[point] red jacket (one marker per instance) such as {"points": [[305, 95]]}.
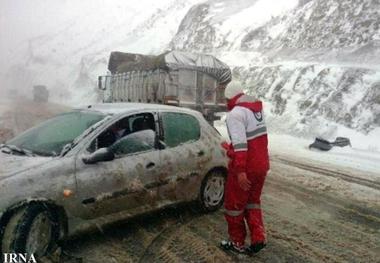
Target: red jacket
{"points": [[248, 133]]}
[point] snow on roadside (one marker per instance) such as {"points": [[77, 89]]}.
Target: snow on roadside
{"points": [[346, 159], [358, 163]]}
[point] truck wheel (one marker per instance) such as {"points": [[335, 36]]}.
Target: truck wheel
{"points": [[212, 191], [32, 229]]}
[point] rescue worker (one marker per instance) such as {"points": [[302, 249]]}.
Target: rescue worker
{"points": [[247, 169]]}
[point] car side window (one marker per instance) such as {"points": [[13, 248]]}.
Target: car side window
{"points": [[179, 128], [121, 129], [140, 141]]}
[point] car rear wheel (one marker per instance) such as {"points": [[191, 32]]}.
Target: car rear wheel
{"points": [[32, 229], [212, 191]]}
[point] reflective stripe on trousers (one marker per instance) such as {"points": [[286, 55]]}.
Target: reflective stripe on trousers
{"points": [[253, 206], [239, 212], [233, 212]]}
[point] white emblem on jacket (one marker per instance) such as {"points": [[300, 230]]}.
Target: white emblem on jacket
{"points": [[244, 125]]}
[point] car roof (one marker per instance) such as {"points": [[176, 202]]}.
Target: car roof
{"points": [[125, 107]]}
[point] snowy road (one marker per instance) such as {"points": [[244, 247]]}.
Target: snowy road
{"points": [[307, 220], [348, 177]]}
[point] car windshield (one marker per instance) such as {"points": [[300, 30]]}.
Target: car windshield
{"points": [[49, 138]]}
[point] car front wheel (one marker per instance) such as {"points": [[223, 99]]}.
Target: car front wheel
{"points": [[212, 191], [32, 229]]}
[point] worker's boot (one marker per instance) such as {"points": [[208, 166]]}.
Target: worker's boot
{"points": [[232, 246], [253, 249]]}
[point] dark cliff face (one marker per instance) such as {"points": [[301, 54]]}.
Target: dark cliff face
{"points": [[318, 61]]}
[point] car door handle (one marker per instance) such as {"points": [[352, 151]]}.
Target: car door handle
{"points": [[150, 165], [201, 153]]}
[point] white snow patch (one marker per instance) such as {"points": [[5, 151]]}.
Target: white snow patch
{"points": [[364, 156], [276, 30], [253, 17]]}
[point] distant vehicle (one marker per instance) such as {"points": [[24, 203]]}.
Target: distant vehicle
{"points": [[195, 81], [40, 93], [105, 162]]}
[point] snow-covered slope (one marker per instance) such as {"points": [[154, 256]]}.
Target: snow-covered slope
{"points": [[317, 97], [324, 30], [314, 63], [222, 24]]}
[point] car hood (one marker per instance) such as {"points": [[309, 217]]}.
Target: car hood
{"points": [[13, 164]]}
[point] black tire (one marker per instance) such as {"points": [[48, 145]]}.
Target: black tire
{"points": [[206, 203], [18, 229]]}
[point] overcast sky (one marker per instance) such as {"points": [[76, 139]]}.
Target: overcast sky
{"points": [[24, 19], [21, 20]]}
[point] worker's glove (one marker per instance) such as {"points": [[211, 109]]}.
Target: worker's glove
{"points": [[230, 150], [243, 181], [226, 146]]}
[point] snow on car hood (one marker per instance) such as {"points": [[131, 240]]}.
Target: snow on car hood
{"points": [[13, 164]]}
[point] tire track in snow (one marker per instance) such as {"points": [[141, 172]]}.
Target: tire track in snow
{"points": [[323, 171]]}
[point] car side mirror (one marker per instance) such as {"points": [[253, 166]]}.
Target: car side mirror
{"points": [[160, 144], [101, 155]]}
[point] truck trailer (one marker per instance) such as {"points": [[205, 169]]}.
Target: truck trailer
{"points": [[195, 81]]}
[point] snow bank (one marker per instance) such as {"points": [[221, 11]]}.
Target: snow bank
{"points": [[361, 157]]}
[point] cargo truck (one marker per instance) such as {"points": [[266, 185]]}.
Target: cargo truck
{"points": [[195, 81]]}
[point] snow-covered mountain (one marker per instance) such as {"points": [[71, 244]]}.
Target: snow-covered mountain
{"points": [[313, 62], [323, 30], [306, 99]]}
